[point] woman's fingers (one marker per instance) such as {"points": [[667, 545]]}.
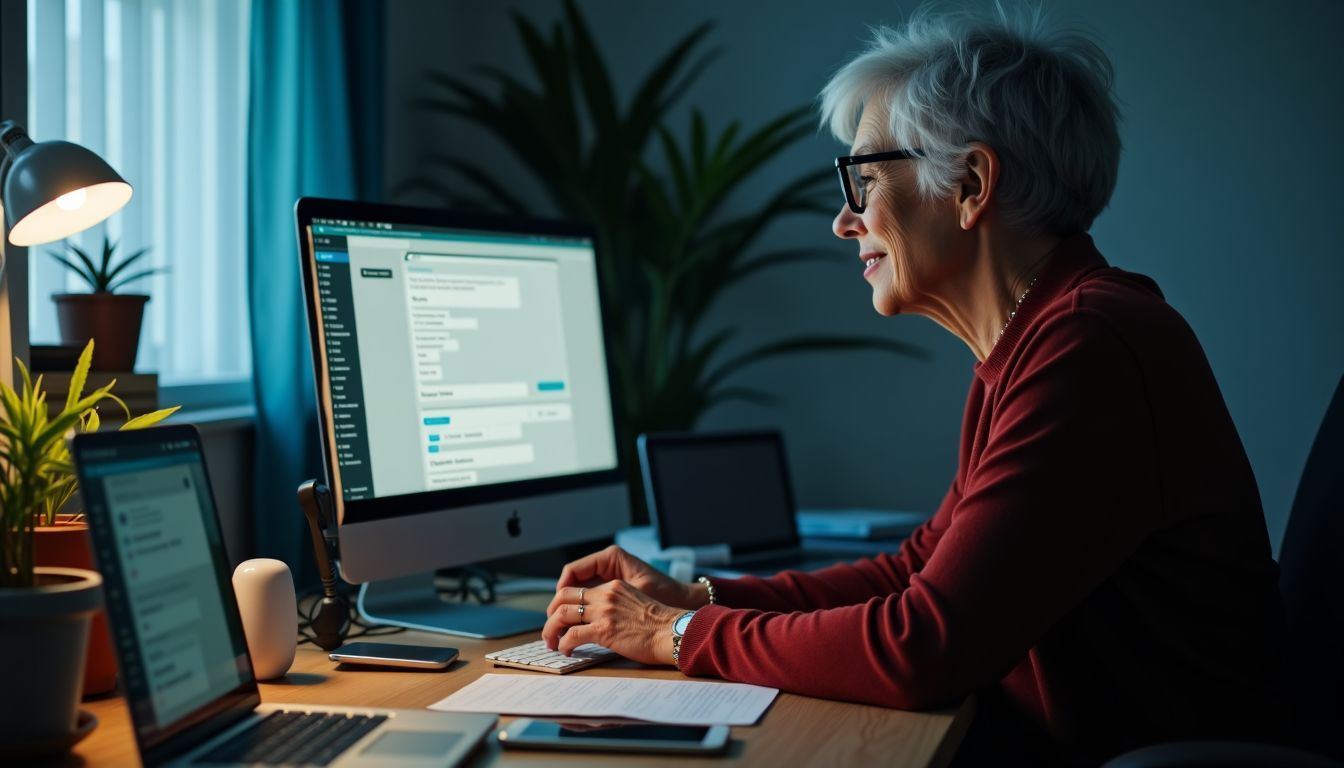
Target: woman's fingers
{"points": [[564, 615], [603, 565], [565, 595], [576, 636], [558, 623], [583, 570]]}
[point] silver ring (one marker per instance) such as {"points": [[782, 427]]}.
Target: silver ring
{"points": [[581, 621], [581, 591]]}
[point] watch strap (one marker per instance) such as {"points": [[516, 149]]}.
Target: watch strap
{"points": [[676, 635]]}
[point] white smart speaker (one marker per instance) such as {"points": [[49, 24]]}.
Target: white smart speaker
{"points": [[266, 601]]}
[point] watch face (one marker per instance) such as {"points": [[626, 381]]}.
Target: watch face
{"points": [[682, 623]]}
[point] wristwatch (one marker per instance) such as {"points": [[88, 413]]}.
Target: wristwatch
{"points": [[679, 628]]}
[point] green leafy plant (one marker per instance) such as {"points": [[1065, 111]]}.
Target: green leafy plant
{"points": [[36, 474], [668, 248], [103, 276]]}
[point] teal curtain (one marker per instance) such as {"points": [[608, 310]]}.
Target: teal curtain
{"points": [[314, 128]]}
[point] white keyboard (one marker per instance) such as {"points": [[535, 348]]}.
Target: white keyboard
{"points": [[538, 658]]}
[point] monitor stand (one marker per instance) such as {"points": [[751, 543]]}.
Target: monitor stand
{"points": [[413, 602]]}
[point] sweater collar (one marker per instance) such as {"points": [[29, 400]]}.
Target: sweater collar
{"points": [[1073, 259]]}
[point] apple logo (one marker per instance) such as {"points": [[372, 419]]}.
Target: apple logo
{"points": [[515, 525]]}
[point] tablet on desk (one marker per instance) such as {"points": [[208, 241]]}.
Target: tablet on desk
{"points": [[709, 488]]}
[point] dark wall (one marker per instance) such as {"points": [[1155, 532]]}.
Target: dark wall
{"points": [[1227, 197]]}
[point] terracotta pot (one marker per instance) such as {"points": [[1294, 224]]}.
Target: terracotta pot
{"points": [[68, 545], [112, 320], [44, 631]]}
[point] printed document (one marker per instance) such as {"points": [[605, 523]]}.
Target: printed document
{"points": [[683, 702]]}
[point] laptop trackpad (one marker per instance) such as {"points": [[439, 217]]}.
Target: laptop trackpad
{"points": [[412, 744]]}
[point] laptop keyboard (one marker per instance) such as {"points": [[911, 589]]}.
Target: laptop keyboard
{"points": [[294, 738], [538, 658]]}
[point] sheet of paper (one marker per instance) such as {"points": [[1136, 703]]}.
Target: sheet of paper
{"points": [[684, 702]]}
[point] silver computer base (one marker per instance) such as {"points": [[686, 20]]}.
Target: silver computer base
{"points": [[414, 603]]}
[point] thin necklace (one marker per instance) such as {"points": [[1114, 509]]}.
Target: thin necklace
{"points": [[1013, 313]]}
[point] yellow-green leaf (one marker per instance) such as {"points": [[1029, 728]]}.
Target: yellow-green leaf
{"points": [[80, 375], [150, 419]]}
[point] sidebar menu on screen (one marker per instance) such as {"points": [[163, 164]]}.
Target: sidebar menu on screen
{"points": [[349, 427]]}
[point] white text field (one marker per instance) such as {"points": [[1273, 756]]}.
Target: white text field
{"points": [[441, 291], [450, 393], [481, 458]]}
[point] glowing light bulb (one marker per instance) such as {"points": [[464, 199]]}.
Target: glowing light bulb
{"points": [[72, 201]]}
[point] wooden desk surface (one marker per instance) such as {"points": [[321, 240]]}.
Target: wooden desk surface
{"points": [[796, 730]]}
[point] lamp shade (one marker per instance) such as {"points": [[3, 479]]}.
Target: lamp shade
{"points": [[54, 189]]}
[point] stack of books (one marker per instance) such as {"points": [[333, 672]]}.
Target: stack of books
{"points": [[140, 392]]}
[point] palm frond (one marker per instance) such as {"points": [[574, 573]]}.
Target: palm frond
{"points": [[85, 259], [124, 263], [83, 275], [102, 276]]}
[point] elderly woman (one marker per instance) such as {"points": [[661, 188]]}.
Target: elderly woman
{"points": [[1099, 572]]}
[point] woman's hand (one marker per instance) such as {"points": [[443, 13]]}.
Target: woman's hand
{"points": [[616, 615], [615, 564]]}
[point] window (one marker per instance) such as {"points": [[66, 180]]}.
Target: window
{"points": [[159, 89]]}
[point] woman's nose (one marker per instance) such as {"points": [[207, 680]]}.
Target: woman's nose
{"points": [[848, 224]]}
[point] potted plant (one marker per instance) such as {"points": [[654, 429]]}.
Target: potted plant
{"points": [[669, 250], [45, 611], [110, 318]]}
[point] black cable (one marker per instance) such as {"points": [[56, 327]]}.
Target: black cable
{"points": [[308, 605], [464, 584], [472, 581]]}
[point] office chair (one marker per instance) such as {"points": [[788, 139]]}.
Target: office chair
{"points": [[1311, 580]]}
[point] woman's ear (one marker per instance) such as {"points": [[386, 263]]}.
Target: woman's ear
{"points": [[978, 184]]}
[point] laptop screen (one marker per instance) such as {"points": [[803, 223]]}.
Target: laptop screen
{"points": [[158, 544], [729, 489]]}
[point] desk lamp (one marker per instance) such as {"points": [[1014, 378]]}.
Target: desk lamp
{"points": [[54, 189], [49, 190]]}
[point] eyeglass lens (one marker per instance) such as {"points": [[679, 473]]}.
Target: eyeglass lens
{"points": [[858, 191]]}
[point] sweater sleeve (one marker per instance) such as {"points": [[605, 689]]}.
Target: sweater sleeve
{"points": [[1062, 494], [843, 584]]}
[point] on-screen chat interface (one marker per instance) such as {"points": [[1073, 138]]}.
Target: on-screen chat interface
{"points": [[457, 359], [163, 567]]}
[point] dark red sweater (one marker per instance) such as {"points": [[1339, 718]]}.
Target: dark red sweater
{"points": [[1099, 570]]}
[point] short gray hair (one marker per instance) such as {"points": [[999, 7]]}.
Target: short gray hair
{"points": [[1041, 99]]}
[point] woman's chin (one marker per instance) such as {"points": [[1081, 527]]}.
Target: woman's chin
{"points": [[886, 306]]}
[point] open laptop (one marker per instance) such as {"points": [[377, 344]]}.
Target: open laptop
{"points": [[733, 488], [185, 667]]}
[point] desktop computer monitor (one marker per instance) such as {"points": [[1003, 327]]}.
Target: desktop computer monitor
{"points": [[464, 395]]}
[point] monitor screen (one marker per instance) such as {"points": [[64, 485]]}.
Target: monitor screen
{"points": [[460, 361]]}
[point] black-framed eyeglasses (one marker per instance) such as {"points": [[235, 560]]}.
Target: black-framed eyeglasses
{"points": [[855, 184]]}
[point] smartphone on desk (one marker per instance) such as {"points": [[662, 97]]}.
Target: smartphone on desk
{"points": [[526, 733], [394, 655]]}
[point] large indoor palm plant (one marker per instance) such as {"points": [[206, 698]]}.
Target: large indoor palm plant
{"points": [[669, 247]]}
